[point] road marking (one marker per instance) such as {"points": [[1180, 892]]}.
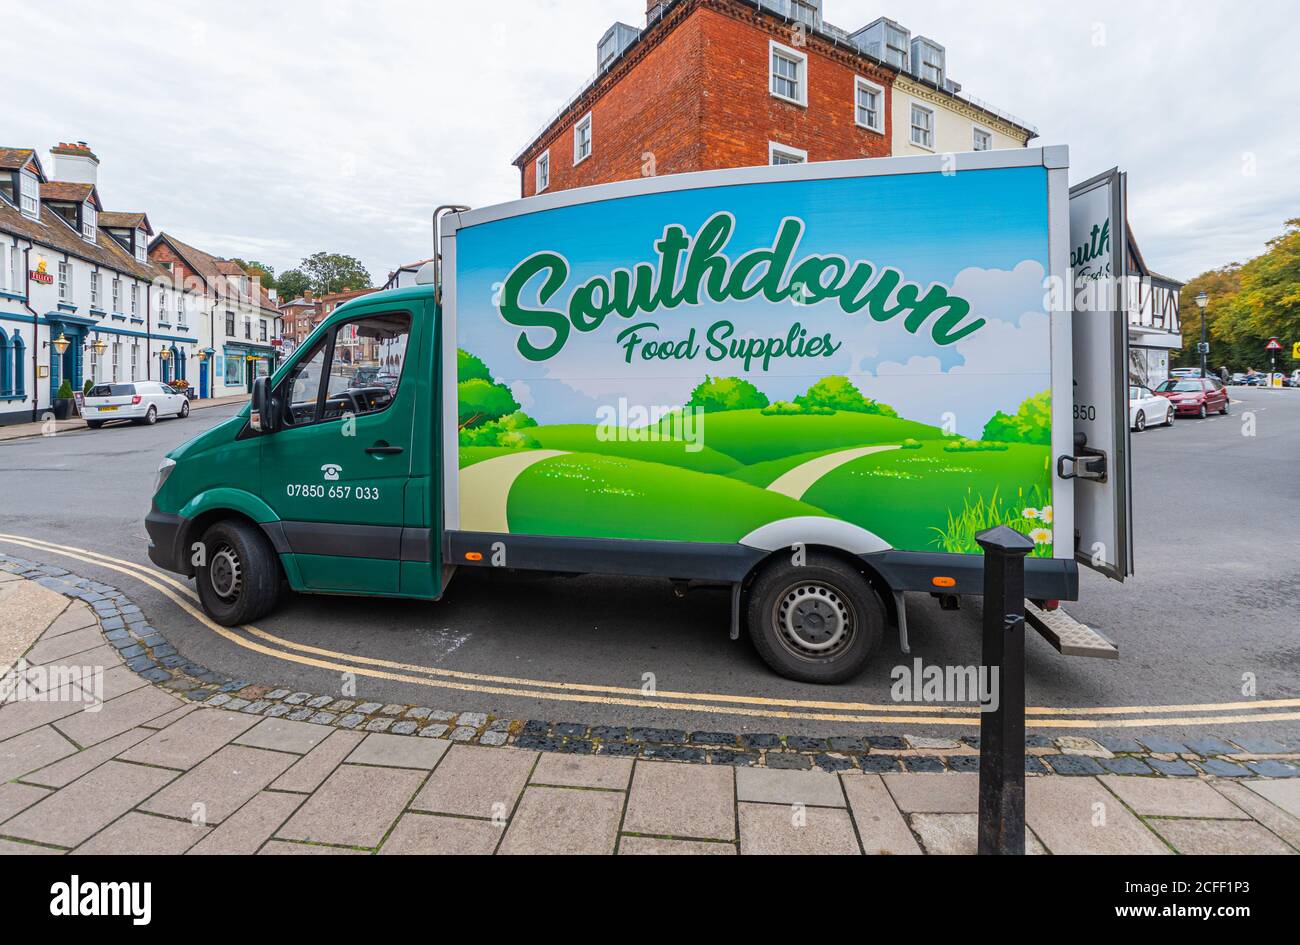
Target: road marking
{"points": [[485, 489], [577, 692], [795, 482]]}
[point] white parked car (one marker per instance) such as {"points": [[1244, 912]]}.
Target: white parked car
{"points": [[140, 402], [1145, 409]]}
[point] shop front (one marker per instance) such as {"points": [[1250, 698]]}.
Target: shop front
{"points": [[241, 364]]}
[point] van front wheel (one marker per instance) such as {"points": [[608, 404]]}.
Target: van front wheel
{"points": [[817, 622], [239, 578]]}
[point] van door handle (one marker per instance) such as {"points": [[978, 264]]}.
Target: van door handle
{"points": [[383, 449]]}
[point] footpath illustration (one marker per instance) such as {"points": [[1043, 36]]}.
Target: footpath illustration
{"points": [[912, 484]]}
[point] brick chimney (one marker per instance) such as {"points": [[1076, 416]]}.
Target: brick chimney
{"points": [[306, 295], [74, 163]]}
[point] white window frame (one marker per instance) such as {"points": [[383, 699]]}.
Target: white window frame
{"points": [[135, 357], [117, 295], [65, 280], [913, 125], [976, 131], [116, 355], [135, 299], [89, 220], [775, 49], [94, 288], [542, 170], [141, 246], [860, 83], [180, 309], [29, 197], [591, 138], [799, 155]]}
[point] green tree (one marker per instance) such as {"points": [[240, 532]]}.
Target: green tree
{"points": [[334, 272], [726, 393], [292, 284], [470, 367], [837, 392], [1032, 423], [481, 401], [257, 270]]}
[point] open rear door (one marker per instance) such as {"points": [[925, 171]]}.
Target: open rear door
{"points": [[1100, 463]]}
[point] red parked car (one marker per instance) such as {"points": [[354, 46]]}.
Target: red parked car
{"points": [[1195, 396]]}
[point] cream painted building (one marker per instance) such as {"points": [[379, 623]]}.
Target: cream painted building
{"points": [[929, 121]]}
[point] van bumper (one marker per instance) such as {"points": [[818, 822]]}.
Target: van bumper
{"points": [[166, 541]]}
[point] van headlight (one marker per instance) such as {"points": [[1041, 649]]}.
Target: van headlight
{"points": [[164, 470]]}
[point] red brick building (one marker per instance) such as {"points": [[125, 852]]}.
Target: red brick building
{"points": [[709, 84]]}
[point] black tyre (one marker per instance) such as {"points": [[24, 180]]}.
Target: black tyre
{"points": [[818, 622], [1140, 422], [185, 410], [1224, 411], [1204, 412], [239, 579], [150, 418], [94, 424]]}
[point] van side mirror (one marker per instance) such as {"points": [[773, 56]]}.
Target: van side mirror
{"points": [[262, 413]]}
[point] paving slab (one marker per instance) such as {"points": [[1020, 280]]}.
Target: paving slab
{"points": [[219, 785], [74, 766], [477, 782], [142, 834], [684, 800], [19, 717], [284, 848], [14, 848], [117, 715], [1077, 815], [398, 751], [658, 846], [777, 786], [958, 835], [29, 609], [935, 793], [249, 827], [77, 615], [64, 648], [15, 797], [282, 735], [1285, 794], [354, 807], [592, 771], [171, 718], [881, 826], [1169, 797], [32, 750], [116, 681], [1219, 837], [1265, 812], [186, 742], [72, 814], [788, 829], [440, 835], [310, 771], [567, 821]]}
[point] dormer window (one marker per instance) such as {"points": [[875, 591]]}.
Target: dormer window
{"points": [[89, 222], [30, 195], [141, 246]]}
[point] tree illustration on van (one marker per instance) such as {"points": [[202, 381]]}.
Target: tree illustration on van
{"points": [[1032, 423], [726, 393], [487, 412], [837, 392]]}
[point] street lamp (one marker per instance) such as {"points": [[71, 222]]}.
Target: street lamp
{"points": [[60, 343], [98, 346], [1202, 299]]}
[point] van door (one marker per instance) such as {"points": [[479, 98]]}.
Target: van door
{"points": [[1101, 460], [336, 470]]}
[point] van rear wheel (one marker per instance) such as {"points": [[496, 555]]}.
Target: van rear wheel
{"points": [[818, 622], [239, 579]]}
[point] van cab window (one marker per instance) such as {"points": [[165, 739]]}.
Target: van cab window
{"points": [[355, 369], [366, 366]]}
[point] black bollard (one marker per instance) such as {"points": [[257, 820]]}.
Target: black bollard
{"points": [[1002, 731]]}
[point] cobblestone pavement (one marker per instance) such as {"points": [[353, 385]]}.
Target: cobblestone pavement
{"points": [[176, 759]]}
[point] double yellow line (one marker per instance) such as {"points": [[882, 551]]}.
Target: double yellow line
{"points": [[259, 641]]}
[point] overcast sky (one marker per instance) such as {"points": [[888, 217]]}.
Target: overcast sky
{"points": [[271, 131]]}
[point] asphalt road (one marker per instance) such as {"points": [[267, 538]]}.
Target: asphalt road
{"points": [[1211, 611]]}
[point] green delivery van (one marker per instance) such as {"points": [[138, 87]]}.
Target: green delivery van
{"points": [[814, 384]]}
